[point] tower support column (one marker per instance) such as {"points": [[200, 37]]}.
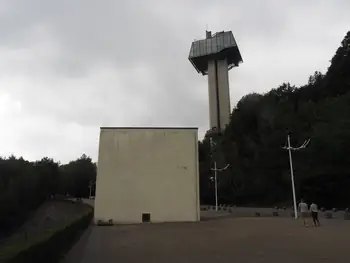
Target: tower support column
{"points": [[219, 94]]}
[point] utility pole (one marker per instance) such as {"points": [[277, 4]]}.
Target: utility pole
{"points": [[290, 149]]}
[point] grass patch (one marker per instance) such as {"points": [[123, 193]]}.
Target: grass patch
{"points": [[48, 247]]}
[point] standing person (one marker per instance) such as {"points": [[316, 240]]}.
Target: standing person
{"points": [[303, 210], [314, 214]]}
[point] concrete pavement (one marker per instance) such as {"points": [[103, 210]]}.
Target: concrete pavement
{"points": [[249, 240]]}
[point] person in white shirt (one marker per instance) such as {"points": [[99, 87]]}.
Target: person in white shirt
{"points": [[314, 214], [303, 207]]}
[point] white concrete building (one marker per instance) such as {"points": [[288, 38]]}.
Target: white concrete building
{"points": [[147, 174]]}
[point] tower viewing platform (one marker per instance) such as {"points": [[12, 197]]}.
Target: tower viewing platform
{"points": [[221, 45]]}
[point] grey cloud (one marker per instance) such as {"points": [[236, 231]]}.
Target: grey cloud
{"points": [[97, 63]]}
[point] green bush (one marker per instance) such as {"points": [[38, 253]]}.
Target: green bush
{"points": [[50, 247]]}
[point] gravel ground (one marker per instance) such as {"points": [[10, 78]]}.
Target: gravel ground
{"points": [[225, 239]]}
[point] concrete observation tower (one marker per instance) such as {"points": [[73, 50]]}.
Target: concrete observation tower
{"points": [[215, 56]]}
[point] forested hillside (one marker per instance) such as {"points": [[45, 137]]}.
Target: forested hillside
{"points": [[259, 172], [26, 185]]}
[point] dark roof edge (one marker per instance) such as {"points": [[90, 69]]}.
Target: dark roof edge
{"points": [[148, 128]]}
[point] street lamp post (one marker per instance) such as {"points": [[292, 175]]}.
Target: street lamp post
{"points": [[290, 149], [216, 170], [90, 189]]}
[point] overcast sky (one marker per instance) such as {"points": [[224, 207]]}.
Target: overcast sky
{"points": [[68, 67]]}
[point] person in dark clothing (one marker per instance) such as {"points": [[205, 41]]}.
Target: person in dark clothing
{"points": [[314, 214]]}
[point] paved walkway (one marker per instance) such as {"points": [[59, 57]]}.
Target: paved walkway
{"points": [[248, 240]]}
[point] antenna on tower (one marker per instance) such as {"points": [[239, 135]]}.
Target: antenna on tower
{"points": [[207, 32]]}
